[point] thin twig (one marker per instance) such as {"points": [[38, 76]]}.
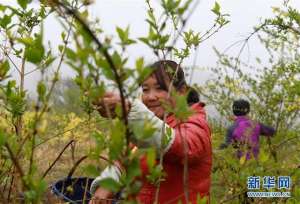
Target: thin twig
{"points": [[17, 164], [156, 26], [75, 165], [62, 133], [36, 69], [285, 141], [11, 186], [9, 58], [185, 165], [57, 158], [245, 42], [71, 172], [194, 65], [163, 130], [184, 22]]}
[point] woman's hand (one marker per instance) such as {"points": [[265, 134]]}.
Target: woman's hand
{"points": [[107, 104], [102, 196]]}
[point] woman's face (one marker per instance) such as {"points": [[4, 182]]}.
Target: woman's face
{"points": [[154, 96]]}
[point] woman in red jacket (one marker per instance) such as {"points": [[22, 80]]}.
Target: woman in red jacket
{"points": [[188, 145]]}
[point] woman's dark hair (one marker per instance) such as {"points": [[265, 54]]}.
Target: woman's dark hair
{"points": [[165, 70], [240, 107]]}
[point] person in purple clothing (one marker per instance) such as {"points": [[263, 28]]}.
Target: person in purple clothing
{"points": [[244, 133]]}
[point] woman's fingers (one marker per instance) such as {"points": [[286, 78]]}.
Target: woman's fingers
{"points": [[107, 95], [107, 104], [106, 111]]}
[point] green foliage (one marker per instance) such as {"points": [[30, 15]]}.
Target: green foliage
{"points": [[181, 110], [117, 139], [34, 51], [216, 8], [15, 100], [24, 3], [4, 68], [33, 129], [110, 184], [271, 91], [143, 130], [124, 37], [41, 90]]}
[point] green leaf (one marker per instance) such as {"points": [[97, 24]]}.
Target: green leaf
{"points": [[133, 170], [49, 61], [16, 102], [35, 52], [3, 7], [99, 139], [9, 87], [117, 59], [151, 157], [184, 7], [163, 40], [41, 187], [41, 90], [151, 23], [156, 175], [60, 48], [70, 53], [130, 41], [216, 9], [139, 64], [121, 33], [145, 40], [27, 41], [97, 92], [63, 36], [142, 71], [110, 184], [151, 17], [202, 200], [167, 136], [23, 3], [108, 73], [263, 156], [91, 170], [118, 110], [117, 139], [143, 129], [182, 110], [152, 35], [4, 68], [243, 159], [83, 54], [5, 21]]}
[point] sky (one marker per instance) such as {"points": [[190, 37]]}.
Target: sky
{"points": [[244, 15]]}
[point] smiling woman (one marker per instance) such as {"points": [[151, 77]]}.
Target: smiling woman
{"points": [[188, 147], [156, 89]]}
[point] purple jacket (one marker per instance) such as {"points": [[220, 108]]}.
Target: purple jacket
{"points": [[244, 135]]}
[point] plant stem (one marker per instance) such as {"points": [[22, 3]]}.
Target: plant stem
{"points": [[57, 158]]}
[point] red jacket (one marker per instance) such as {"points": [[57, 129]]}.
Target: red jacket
{"points": [[198, 138]]}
